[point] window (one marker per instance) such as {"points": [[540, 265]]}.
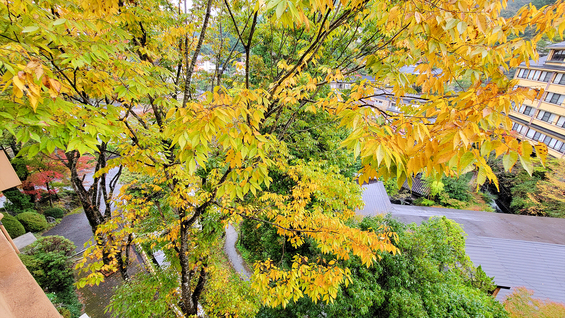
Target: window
{"points": [[517, 127], [559, 79], [558, 145], [531, 133], [545, 116], [528, 111], [522, 73], [545, 76], [561, 122], [531, 75], [546, 140], [558, 55], [554, 98]]}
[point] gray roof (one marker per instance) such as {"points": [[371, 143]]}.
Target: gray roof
{"points": [[539, 63], [411, 69], [518, 250], [560, 45], [376, 200]]}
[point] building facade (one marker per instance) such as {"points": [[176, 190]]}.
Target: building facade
{"points": [[543, 119]]}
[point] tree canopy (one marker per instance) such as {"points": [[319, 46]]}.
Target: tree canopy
{"points": [[122, 77]]}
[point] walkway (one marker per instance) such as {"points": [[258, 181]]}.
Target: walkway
{"points": [[233, 256]]}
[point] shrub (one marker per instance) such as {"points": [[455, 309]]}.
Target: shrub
{"points": [[52, 244], [521, 304], [17, 201], [13, 226], [458, 188], [47, 260], [64, 312], [424, 202], [54, 212], [32, 222]]}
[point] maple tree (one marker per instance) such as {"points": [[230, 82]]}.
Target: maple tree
{"points": [[103, 77]]}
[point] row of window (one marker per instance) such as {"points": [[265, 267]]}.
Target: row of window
{"points": [[554, 98], [536, 135], [541, 76], [541, 115]]}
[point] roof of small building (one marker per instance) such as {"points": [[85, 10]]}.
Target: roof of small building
{"points": [[518, 250], [560, 45]]}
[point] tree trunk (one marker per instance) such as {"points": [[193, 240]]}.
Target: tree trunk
{"points": [[190, 308], [190, 68]]}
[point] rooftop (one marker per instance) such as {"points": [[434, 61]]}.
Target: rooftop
{"points": [[518, 250], [560, 45]]}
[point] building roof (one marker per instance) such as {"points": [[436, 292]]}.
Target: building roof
{"points": [[376, 200], [411, 69], [539, 63], [518, 250], [560, 45], [20, 295]]}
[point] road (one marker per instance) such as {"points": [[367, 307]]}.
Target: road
{"points": [[235, 259]]}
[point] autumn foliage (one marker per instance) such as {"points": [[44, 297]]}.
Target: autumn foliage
{"points": [[116, 79], [521, 304]]}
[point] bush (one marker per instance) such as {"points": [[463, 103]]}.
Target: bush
{"points": [[424, 202], [18, 202], [458, 188], [13, 226], [52, 244], [521, 304], [32, 222], [57, 213], [47, 259]]}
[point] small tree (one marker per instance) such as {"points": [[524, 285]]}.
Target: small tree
{"points": [[521, 303]]}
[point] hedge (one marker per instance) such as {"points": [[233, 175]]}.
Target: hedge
{"points": [[32, 222], [54, 212], [13, 226]]}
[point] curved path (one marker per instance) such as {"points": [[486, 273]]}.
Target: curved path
{"points": [[233, 256]]}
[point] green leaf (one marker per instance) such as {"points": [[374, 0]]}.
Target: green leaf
{"points": [[527, 164], [59, 21], [509, 160], [280, 8], [30, 29]]}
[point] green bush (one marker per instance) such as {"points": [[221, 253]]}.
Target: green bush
{"points": [[13, 226], [48, 262], [18, 202], [55, 212], [52, 244], [424, 202], [47, 259], [32, 222], [458, 188]]}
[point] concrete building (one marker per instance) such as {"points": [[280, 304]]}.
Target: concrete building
{"points": [[543, 119]]}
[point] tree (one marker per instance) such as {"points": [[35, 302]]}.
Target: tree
{"points": [[538, 194], [86, 77], [521, 304], [430, 277]]}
